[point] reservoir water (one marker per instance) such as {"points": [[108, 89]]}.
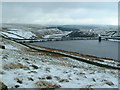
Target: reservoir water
{"points": [[108, 49]]}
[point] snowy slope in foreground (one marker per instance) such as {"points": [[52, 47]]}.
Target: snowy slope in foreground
{"points": [[26, 68]]}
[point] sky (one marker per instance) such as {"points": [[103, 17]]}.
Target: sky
{"points": [[60, 13]]}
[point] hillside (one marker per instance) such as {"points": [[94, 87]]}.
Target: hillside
{"points": [[27, 31], [26, 68], [23, 67]]}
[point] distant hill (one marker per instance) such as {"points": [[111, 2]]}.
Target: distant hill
{"points": [[67, 28], [78, 27], [81, 34]]}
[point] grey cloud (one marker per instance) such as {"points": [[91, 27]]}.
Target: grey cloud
{"points": [[53, 13]]}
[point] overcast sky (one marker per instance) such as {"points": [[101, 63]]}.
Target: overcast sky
{"points": [[52, 13]]}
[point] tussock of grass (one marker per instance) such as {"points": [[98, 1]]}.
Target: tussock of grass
{"points": [[15, 66], [46, 84]]}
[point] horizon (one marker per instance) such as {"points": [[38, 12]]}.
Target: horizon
{"points": [[62, 24]]}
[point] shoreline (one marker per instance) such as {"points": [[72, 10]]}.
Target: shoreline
{"points": [[98, 61], [32, 68], [74, 53]]}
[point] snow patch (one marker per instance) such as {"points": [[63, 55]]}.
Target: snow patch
{"points": [[23, 33]]}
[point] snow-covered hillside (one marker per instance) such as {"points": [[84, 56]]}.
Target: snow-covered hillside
{"points": [[43, 32], [18, 33], [57, 35], [27, 32], [22, 33], [22, 67], [14, 31], [26, 68]]}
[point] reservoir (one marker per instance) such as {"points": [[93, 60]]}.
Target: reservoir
{"points": [[107, 49]]}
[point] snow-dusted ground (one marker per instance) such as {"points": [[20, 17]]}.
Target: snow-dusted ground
{"points": [[23, 33], [49, 31], [114, 40], [26, 68], [57, 35], [18, 33], [28, 32]]}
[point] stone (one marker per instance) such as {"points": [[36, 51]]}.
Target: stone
{"points": [[30, 79], [3, 86], [16, 86], [48, 77], [109, 83], [2, 47], [19, 81], [47, 69], [64, 80], [35, 67]]}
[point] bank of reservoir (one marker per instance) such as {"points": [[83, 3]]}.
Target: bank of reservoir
{"points": [[107, 49]]}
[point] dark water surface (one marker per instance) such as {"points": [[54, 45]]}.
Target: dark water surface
{"points": [[108, 49]]}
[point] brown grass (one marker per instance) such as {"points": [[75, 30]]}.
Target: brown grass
{"points": [[67, 65], [35, 52], [74, 53], [15, 66], [46, 84]]}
